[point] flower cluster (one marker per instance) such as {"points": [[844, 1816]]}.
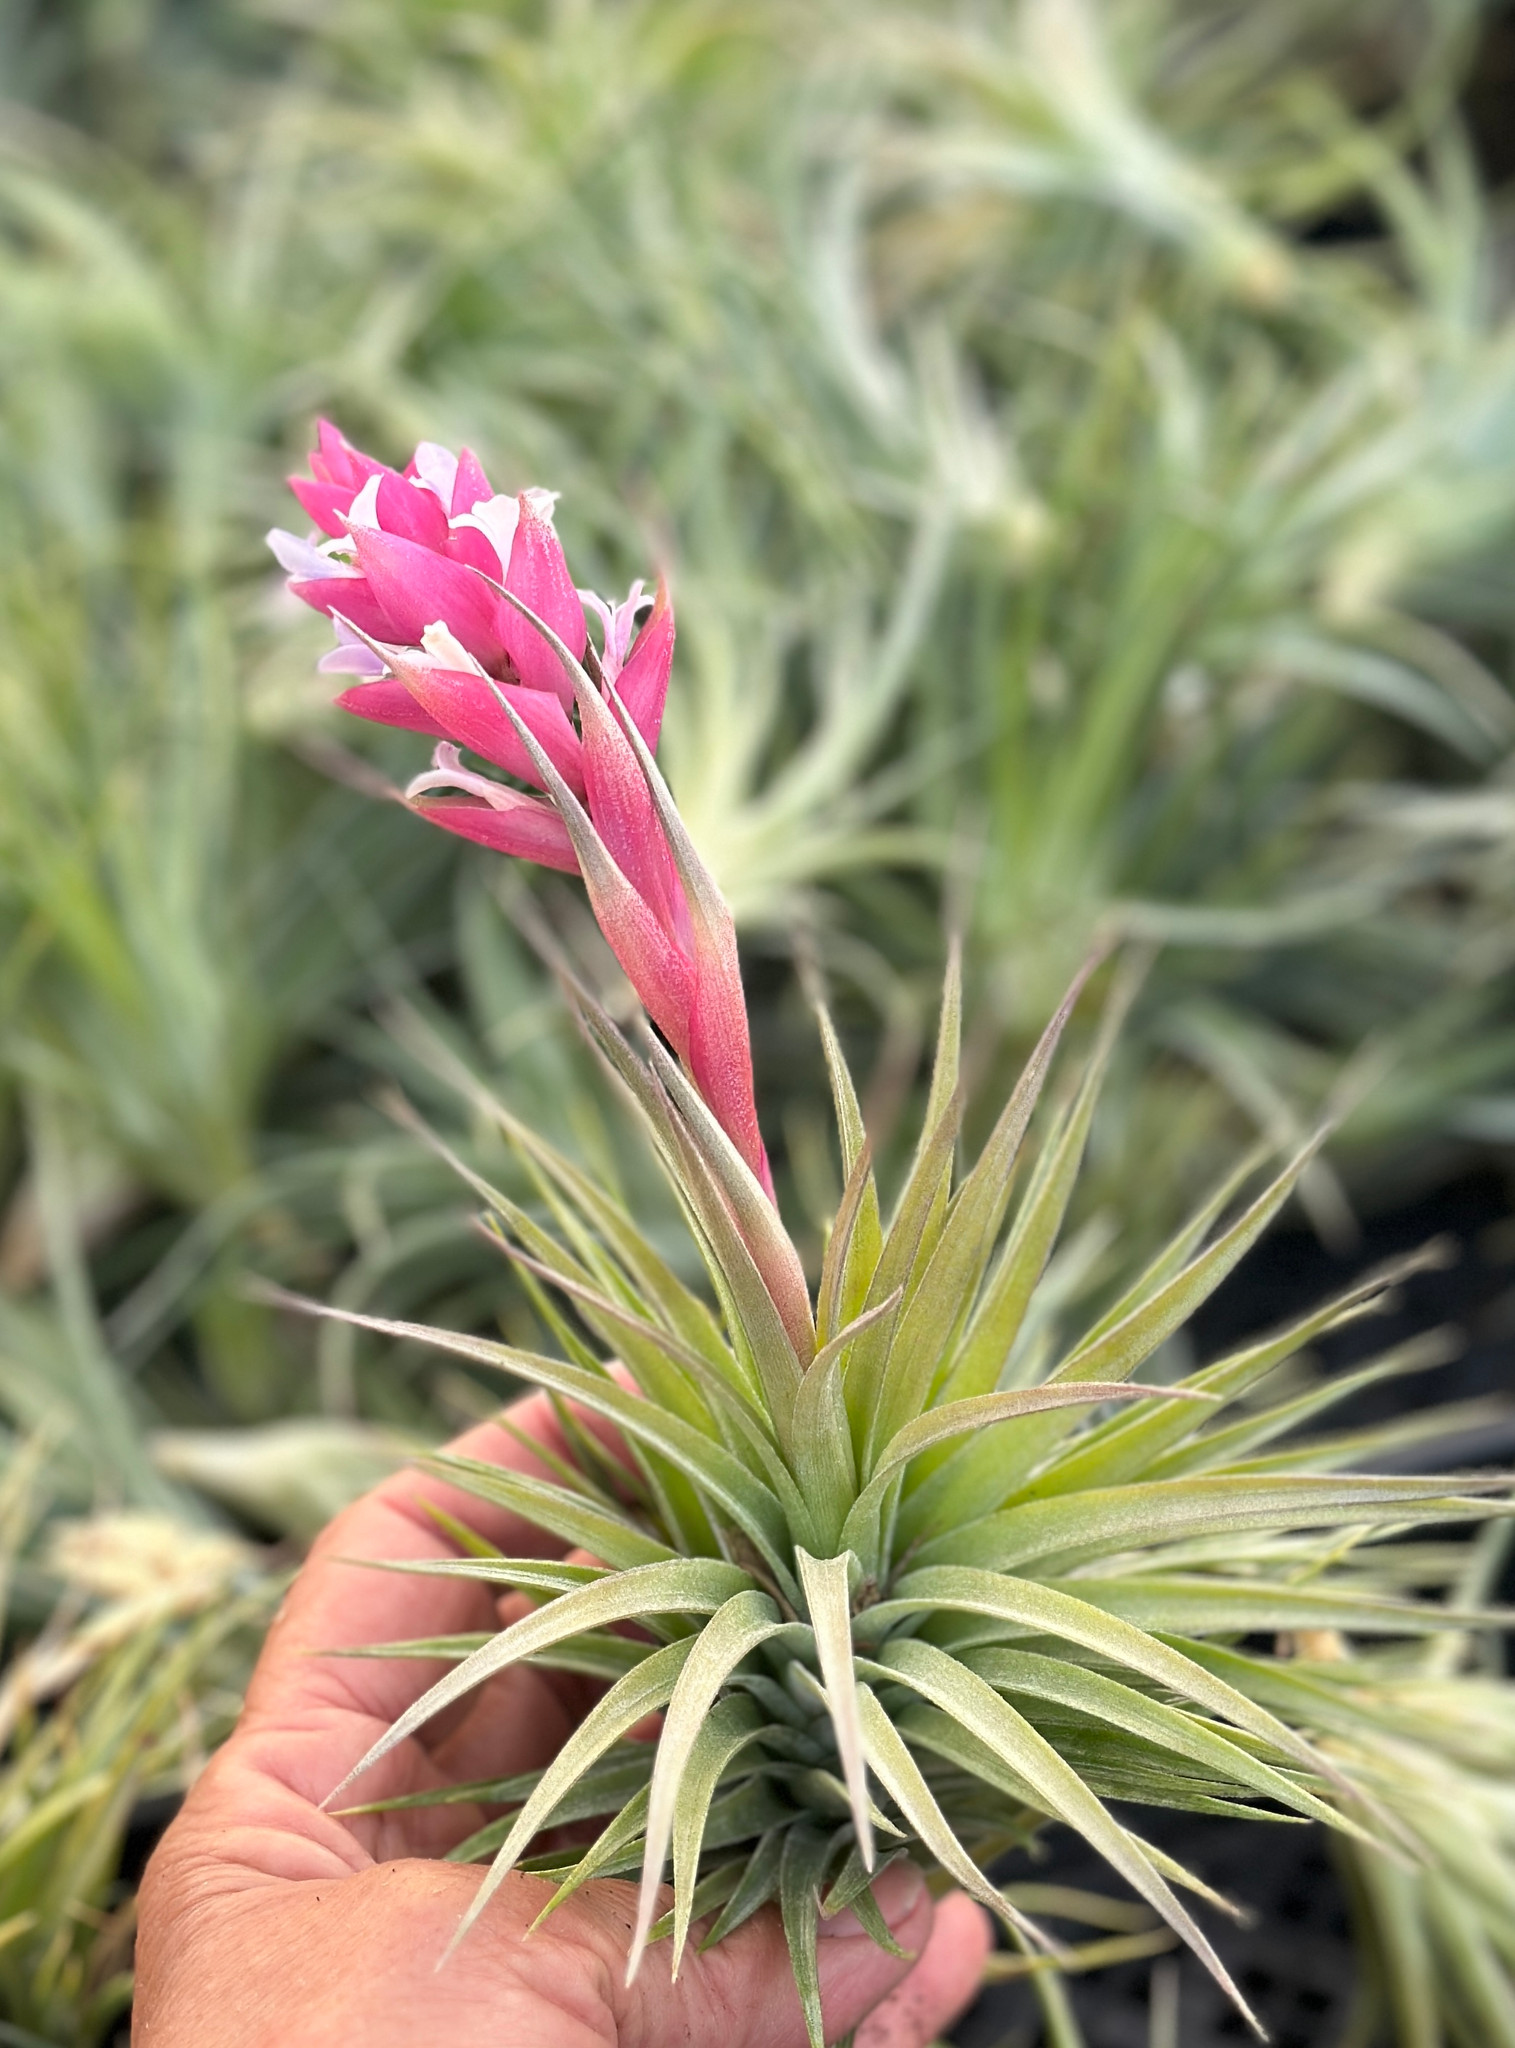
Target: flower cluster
{"points": [[455, 606]]}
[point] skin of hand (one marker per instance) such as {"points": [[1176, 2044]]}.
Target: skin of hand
{"points": [[268, 1922]]}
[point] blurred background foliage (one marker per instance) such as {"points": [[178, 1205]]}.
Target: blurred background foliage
{"points": [[1081, 434]]}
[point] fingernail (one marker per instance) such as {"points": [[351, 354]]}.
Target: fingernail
{"points": [[897, 1892]]}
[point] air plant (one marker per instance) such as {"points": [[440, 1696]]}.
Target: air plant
{"points": [[906, 1569]]}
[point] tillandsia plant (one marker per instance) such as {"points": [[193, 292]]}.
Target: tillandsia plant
{"points": [[904, 1568]]}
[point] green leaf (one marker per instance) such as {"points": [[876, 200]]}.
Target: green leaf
{"points": [[592, 1655], [707, 1896], [729, 1727], [864, 1906], [682, 1586], [1230, 1445], [710, 1465], [1115, 1353], [649, 1354], [1049, 1610], [930, 1323], [1120, 1350], [898, 1263], [900, 1775], [852, 1251], [610, 1852], [529, 1574], [604, 1787], [1186, 1240], [802, 1871], [981, 1411], [666, 1369], [426, 1648], [686, 1315], [857, 1234], [849, 1114], [762, 1231], [1208, 1604], [759, 1884], [1075, 1528], [822, 1445], [631, 1699], [747, 1619], [755, 1318], [1130, 1444], [975, 1704], [997, 1319], [826, 1584], [1482, 1422], [1106, 1699], [549, 1507]]}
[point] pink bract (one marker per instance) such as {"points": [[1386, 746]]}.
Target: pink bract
{"points": [[454, 606]]}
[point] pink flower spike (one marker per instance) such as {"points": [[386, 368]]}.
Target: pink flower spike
{"points": [[299, 557], [336, 461], [720, 1047], [325, 503], [532, 831], [390, 703], [538, 575], [642, 684], [654, 966], [490, 813], [352, 596], [470, 485], [412, 586], [412, 511], [435, 468], [623, 815], [466, 707], [720, 1060]]}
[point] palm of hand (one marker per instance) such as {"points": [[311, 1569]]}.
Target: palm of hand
{"points": [[267, 1922]]}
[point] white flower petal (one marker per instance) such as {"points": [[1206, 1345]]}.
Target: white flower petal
{"points": [[437, 468], [497, 519], [350, 660], [297, 557], [448, 772], [440, 641], [364, 510]]}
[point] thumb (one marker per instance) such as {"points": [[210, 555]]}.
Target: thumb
{"points": [[741, 1994]]}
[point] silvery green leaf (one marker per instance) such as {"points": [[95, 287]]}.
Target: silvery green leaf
{"points": [[827, 1587], [900, 1775], [682, 1586], [802, 1871], [956, 1265], [1076, 1528], [730, 1726], [546, 1506], [980, 1709], [631, 1699], [1055, 1611], [1169, 1728], [1128, 1445], [759, 1883], [749, 1503], [736, 1628]]}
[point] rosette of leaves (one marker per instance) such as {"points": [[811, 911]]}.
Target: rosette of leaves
{"points": [[904, 1568]]}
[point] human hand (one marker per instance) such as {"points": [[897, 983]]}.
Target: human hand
{"points": [[269, 1923]]}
